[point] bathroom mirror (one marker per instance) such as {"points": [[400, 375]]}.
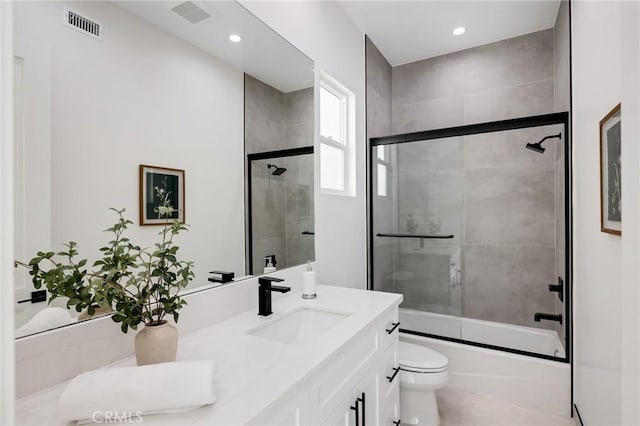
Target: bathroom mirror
{"points": [[102, 88]]}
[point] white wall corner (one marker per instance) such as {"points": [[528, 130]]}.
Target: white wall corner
{"points": [[317, 29], [7, 377], [630, 295]]}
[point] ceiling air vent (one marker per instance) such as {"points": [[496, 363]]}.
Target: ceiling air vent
{"points": [[191, 12], [84, 25]]}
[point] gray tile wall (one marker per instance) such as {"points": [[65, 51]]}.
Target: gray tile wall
{"points": [[506, 79], [298, 118], [282, 206], [499, 199], [298, 181], [509, 226], [378, 80], [264, 117], [430, 189]]}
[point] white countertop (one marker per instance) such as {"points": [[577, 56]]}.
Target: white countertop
{"points": [[251, 371]]}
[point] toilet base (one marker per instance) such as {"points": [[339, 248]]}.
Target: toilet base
{"points": [[419, 407]]}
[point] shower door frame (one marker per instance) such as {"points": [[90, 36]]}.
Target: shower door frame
{"points": [[290, 152], [473, 129]]}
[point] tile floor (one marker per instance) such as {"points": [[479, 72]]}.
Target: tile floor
{"points": [[460, 408]]}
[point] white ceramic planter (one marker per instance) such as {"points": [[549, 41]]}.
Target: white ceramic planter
{"points": [[156, 343]]}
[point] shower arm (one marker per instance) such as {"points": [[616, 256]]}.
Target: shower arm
{"points": [[558, 136]]}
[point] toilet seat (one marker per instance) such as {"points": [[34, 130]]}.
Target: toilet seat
{"points": [[420, 359]]}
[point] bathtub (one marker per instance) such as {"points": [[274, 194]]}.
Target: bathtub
{"points": [[528, 339], [534, 382]]}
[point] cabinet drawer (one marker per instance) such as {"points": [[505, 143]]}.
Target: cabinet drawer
{"points": [[390, 328], [389, 374], [342, 370]]}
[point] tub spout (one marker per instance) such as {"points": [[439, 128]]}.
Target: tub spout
{"points": [[550, 317]]}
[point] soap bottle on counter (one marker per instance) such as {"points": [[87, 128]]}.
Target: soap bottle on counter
{"points": [[270, 263], [309, 283]]}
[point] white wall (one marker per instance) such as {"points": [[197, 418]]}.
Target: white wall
{"points": [[322, 31], [141, 96], [606, 327], [630, 295], [7, 388]]}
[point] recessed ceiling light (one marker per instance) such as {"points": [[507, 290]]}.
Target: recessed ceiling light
{"points": [[459, 30], [235, 38]]}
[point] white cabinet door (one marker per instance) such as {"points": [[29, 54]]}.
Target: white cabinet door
{"points": [[360, 408], [355, 388], [389, 387], [341, 416], [369, 399], [290, 410]]}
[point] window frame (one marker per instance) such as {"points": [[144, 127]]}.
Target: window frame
{"points": [[347, 133]]}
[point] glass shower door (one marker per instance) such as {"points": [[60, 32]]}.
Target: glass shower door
{"points": [[417, 227], [472, 229]]}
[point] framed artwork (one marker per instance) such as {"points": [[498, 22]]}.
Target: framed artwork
{"points": [[161, 195], [610, 177]]}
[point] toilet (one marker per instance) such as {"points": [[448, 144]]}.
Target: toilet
{"points": [[422, 372]]}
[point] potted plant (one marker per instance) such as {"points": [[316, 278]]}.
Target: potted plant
{"points": [[141, 285]]}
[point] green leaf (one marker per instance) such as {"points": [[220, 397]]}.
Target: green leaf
{"points": [[118, 317]]}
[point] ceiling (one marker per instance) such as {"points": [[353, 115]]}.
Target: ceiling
{"points": [[262, 52], [408, 31]]}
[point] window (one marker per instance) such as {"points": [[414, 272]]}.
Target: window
{"points": [[382, 162], [337, 159]]}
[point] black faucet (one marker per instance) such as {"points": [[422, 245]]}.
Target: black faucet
{"points": [[264, 293], [551, 317], [558, 288]]}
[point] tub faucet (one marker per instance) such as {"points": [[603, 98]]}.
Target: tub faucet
{"points": [[264, 293], [551, 317]]}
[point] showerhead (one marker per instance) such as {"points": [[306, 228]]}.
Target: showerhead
{"points": [[278, 170], [537, 147]]}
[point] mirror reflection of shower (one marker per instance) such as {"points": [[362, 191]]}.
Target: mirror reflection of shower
{"points": [[278, 170], [281, 222]]}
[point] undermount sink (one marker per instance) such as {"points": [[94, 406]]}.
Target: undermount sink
{"points": [[301, 325]]}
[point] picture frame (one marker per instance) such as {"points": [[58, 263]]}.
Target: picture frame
{"points": [[610, 176], [162, 195]]}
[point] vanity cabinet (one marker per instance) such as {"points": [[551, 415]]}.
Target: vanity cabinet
{"points": [[357, 386], [292, 409], [265, 380], [361, 408]]}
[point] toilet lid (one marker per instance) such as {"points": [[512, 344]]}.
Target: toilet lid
{"points": [[421, 358]]}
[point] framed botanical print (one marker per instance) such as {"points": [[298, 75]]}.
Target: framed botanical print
{"points": [[610, 176], [161, 195]]}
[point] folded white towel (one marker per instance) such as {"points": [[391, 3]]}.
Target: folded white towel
{"points": [[46, 319], [131, 392]]}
